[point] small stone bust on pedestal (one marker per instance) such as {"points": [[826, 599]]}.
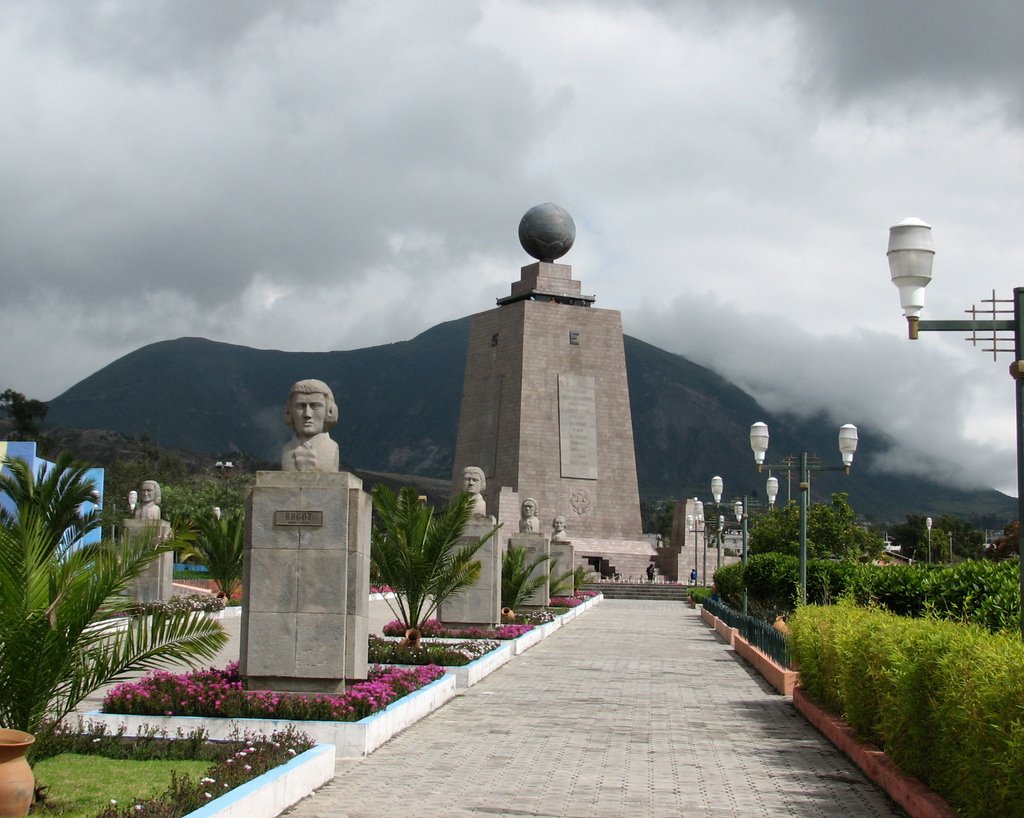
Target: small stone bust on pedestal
{"points": [[474, 483], [310, 412], [149, 501], [529, 522], [559, 535]]}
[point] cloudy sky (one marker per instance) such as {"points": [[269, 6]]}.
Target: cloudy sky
{"points": [[320, 175]]}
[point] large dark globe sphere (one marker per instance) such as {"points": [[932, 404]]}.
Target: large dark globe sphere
{"points": [[547, 232]]}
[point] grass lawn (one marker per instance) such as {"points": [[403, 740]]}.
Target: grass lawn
{"points": [[79, 786]]}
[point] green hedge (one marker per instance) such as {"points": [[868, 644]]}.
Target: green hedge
{"points": [[944, 700], [977, 591]]}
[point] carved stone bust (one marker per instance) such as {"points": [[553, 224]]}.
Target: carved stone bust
{"points": [[310, 412], [529, 522], [149, 501], [559, 535], [474, 483]]}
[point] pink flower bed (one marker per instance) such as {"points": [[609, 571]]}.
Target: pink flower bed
{"points": [[220, 693], [566, 601], [435, 628]]}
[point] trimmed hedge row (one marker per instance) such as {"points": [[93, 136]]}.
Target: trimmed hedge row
{"points": [[978, 591], [945, 701]]}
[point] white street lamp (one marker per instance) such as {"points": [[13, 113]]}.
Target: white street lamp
{"points": [[759, 441], [847, 447], [772, 490], [716, 489], [133, 500], [848, 444], [928, 526], [910, 264], [910, 254]]}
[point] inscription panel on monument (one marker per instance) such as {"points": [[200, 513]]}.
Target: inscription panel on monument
{"points": [[577, 426], [313, 519]]}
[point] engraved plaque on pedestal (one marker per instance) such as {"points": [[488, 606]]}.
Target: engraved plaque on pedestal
{"points": [[577, 426]]}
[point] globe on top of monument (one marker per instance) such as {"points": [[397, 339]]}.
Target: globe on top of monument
{"points": [[547, 232]]}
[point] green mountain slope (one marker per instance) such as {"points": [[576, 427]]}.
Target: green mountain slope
{"points": [[399, 409]]}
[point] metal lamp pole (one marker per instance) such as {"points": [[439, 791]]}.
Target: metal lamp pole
{"points": [[847, 447], [717, 487], [910, 254], [928, 527]]}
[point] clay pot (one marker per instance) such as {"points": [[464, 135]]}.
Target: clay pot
{"points": [[508, 615], [16, 780], [412, 638]]}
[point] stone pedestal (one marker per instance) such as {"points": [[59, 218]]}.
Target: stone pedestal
{"points": [[563, 558], [155, 583], [536, 545], [545, 405], [306, 582], [480, 604]]}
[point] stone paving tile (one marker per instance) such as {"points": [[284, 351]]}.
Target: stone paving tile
{"points": [[634, 709]]}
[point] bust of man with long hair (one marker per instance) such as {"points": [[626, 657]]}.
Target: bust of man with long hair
{"points": [[310, 413]]}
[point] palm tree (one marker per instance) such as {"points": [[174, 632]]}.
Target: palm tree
{"points": [[219, 545], [517, 576], [52, 597], [419, 554]]}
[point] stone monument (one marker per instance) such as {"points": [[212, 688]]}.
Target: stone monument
{"points": [[545, 402], [480, 604], [307, 560], [474, 484], [529, 522], [155, 582], [535, 545]]}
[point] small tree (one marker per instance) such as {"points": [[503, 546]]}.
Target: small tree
{"points": [[219, 545], [517, 576], [419, 553], [50, 597], [832, 532], [26, 414]]}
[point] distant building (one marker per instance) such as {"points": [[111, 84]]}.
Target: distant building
{"points": [[26, 451]]}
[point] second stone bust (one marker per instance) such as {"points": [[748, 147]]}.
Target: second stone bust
{"points": [[310, 412]]}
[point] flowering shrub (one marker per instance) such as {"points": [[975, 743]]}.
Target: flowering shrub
{"points": [[429, 653], [206, 603], [586, 594], [434, 628], [220, 693], [237, 765], [566, 601]]}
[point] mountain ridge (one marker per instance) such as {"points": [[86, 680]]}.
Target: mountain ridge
{"points": [[399, 409]]}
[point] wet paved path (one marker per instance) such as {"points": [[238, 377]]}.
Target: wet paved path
{"points": [[633, 709]]}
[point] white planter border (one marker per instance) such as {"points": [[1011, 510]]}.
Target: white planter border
{"points": [[270, 794], [351, 739]]}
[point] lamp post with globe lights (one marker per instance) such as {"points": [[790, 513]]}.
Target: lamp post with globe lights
{"points": [[911, 253], [847, 446], [928, 528]]}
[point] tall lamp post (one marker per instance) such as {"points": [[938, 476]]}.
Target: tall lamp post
{"points": [[847, 447], [910, 255], [717, 487], [928, 527]]}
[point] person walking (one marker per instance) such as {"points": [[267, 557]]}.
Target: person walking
{"points": [[693, 576], [650, 572]]}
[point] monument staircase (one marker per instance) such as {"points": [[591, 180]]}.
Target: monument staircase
{"points": [[615, 559], [661, 591]]}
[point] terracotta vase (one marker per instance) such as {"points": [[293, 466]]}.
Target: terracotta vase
{"points": [[508, 615], [16, 780], [412, 638]]}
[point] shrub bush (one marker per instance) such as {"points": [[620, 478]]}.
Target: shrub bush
{"points": [[945, 701], [728, 584]]}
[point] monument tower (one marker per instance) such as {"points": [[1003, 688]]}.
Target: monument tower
{"points": [[545, 402]]}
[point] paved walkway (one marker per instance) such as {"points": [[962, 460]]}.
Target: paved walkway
{"points": [[633, 709]]}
